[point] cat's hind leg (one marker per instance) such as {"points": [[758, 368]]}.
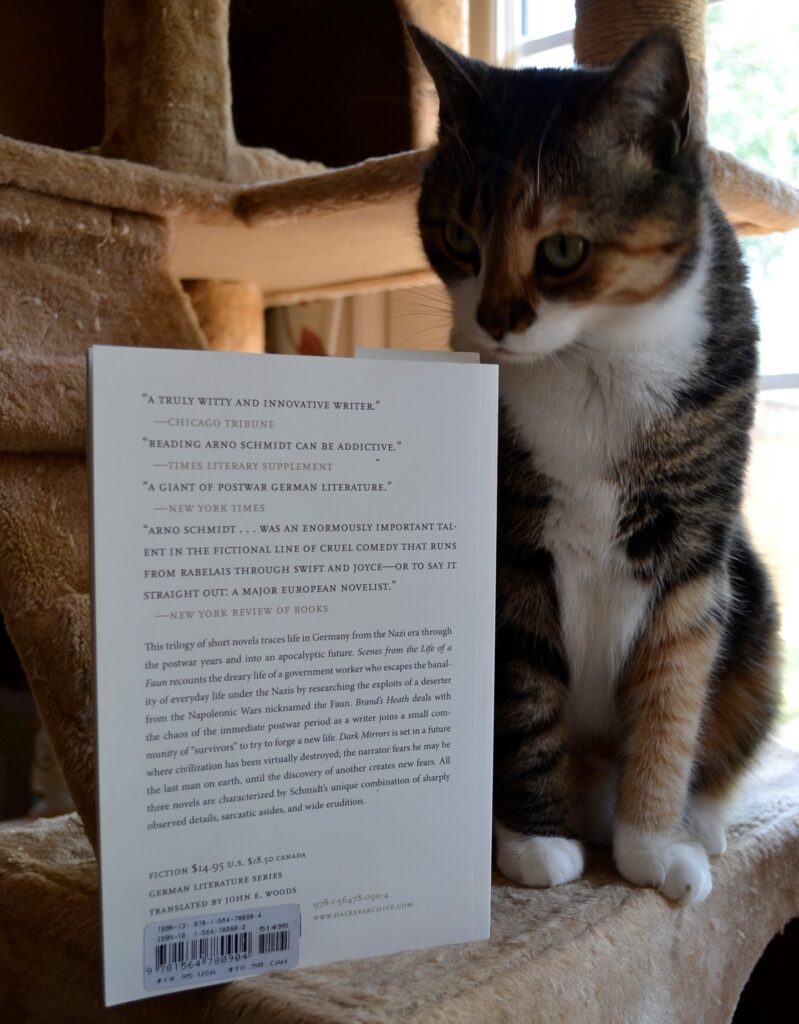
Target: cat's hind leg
{"points": [[742, 703], [743, 698]]}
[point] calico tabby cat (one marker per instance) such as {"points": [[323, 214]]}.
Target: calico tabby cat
{"points": [[569, 215]]}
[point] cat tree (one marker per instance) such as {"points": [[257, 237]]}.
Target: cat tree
{"points": [[94, 247]]}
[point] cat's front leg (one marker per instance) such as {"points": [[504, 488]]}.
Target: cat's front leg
{"points": [[661, 702], [532, 790]]}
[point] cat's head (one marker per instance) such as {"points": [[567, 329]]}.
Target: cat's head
{"points": [[557, 199]]}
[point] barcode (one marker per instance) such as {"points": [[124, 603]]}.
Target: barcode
{"points": [[274, 942], [211, 948], [181, 950]]}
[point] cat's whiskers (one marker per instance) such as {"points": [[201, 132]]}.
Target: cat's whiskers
{"points": [[433, 305], [407, 342], [437, 316]]}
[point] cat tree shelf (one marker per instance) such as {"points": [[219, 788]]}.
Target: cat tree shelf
{"points": [[335, 232]]}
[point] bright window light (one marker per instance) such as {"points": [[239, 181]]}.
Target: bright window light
{"points": [[753, 88], [540, 18]]}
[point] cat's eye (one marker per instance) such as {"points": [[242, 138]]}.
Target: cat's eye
{"points": [[561, 253], [459, 241]]}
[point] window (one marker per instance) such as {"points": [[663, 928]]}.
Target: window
{"points": [[753, 86], [539, 34]]}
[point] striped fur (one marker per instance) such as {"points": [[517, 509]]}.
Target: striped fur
{"points": [[637, 664]]}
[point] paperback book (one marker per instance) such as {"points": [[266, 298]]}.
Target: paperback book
{"points": [[293, 601]]}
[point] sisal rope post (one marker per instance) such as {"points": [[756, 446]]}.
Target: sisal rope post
{"points": [[230, 313]]}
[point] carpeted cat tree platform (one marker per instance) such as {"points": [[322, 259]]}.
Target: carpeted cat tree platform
{"points": [[93, 249]]}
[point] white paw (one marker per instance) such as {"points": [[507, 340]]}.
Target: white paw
{"points": [[678, 869], [706, 817], [538, 861]]}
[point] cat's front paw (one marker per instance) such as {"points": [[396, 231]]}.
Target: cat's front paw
{"points": [[538, 861], [677, 868]]}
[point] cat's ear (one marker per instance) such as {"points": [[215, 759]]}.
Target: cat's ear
{"points": [[648, 94], [458, 79]]}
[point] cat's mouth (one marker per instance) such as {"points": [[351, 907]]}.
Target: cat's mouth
{"points": [[491, 351], [501, 354], [513, 349]]}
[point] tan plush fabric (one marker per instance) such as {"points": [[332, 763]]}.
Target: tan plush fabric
{"points": [[117, 184], [353, 228], [597, 951], [71, 274], [170, 108], [57, 421], [372, 181], [76, 273], [44, 595], [755, 203]]}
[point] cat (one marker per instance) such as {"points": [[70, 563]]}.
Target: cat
{"points": [[569, 215]]}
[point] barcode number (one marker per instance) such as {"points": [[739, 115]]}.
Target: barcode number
{"points": [[180, 951]]}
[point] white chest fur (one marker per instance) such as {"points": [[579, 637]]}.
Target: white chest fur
{"points": [[577, 423]]}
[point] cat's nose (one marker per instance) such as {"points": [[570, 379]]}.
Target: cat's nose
{"points": [[497, 319], [496, 328]]}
